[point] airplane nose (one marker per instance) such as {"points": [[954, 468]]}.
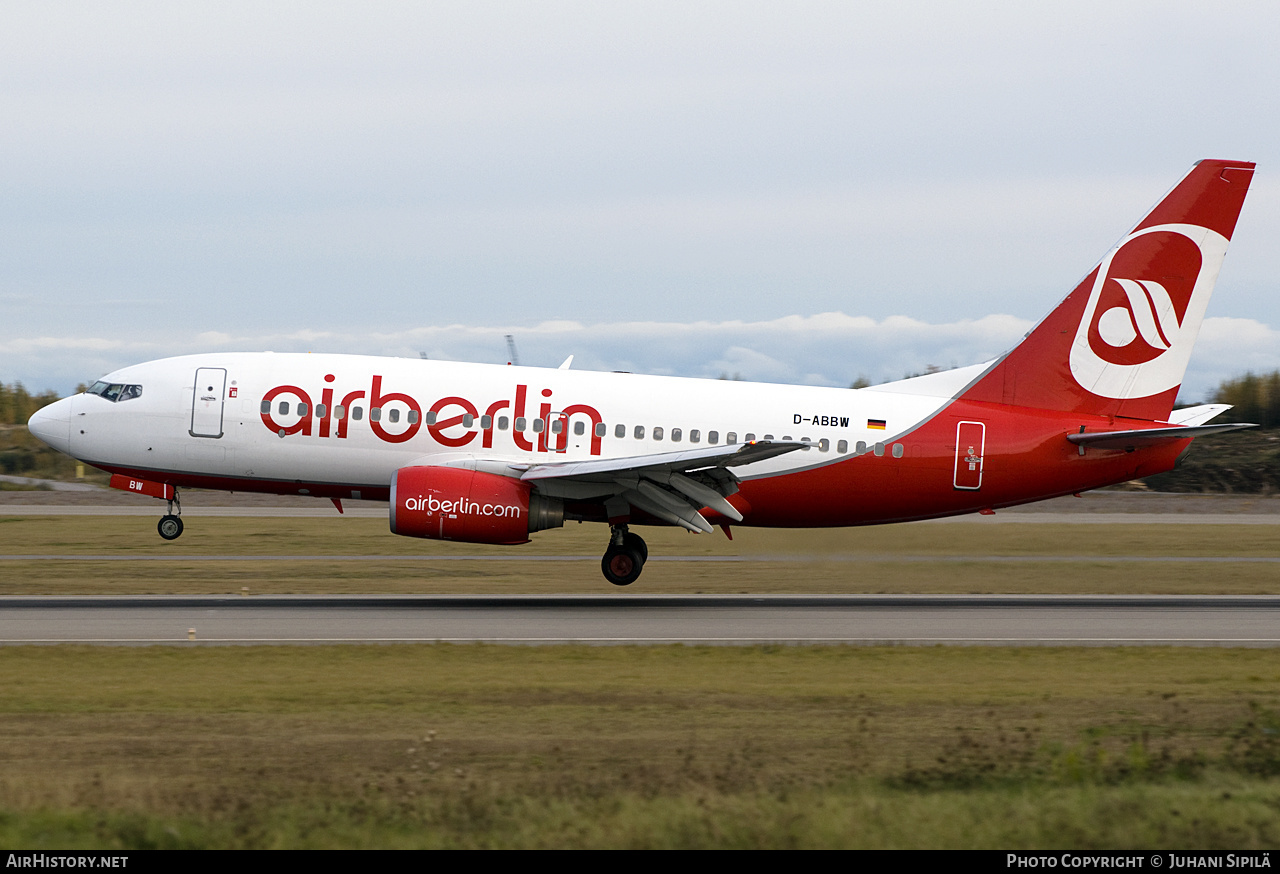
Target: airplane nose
{"points": [[52, 425]]}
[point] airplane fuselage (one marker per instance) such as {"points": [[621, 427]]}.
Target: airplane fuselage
{"points": [[340, 426]]}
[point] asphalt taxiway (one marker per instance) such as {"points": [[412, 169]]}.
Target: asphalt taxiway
{"points": [[619, 619]]}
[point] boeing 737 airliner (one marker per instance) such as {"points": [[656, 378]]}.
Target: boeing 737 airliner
{"points": [[490, 454]]}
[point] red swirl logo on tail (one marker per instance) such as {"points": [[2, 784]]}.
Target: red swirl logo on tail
{"points": [[1143, 301]]}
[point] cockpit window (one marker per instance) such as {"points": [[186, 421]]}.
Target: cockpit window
{"points": [[114, 391]]}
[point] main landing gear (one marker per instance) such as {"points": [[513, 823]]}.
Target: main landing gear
{"points": [[624, 559], [170, 525]]}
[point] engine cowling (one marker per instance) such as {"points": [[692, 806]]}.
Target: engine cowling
{"points": [[449, 503]]}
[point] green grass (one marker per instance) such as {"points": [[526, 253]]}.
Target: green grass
{"points": [[483, 746], [874, 560]]}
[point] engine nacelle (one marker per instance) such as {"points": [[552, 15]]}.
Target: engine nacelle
{"points": [[449, 503]]}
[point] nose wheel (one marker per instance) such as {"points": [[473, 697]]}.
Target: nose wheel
{"points": [[170, 525], [624, 559]]}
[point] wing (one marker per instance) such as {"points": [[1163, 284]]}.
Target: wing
{"points": [[672, 486]]}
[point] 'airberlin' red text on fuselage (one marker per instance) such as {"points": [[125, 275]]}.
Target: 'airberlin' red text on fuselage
{"points": [[452, 413]]}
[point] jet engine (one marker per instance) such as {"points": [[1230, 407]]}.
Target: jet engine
{"points": [[449, 503]]}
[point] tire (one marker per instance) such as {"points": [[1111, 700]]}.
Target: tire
{"points": [[170, 527], [636, 544], [621, 566]]}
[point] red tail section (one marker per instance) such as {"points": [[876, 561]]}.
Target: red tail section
{"points": [[1119, 344]]}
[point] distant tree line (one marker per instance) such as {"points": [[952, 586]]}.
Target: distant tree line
{"points": [[1254, 398], [17, 404]]}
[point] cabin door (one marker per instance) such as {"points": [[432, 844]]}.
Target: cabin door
{"points": [[207, 401], [970, 441]]}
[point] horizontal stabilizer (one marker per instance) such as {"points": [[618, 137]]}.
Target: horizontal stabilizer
{"points": [[1197, 415], [1147, 436]]}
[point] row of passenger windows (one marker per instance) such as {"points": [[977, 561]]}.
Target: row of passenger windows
{"points": [[658, 433]]}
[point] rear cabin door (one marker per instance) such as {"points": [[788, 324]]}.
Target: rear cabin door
{"points": [[207, 401], [970, 441]]}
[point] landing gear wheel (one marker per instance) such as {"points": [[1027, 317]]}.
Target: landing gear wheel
{"points": [[621, 565], [636, 544], [170, 527]]}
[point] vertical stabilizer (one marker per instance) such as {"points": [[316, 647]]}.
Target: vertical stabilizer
{"points": [[1119, 344]]}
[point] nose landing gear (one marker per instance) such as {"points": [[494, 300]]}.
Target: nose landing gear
{"points": [[624, 559], [170, 525]]}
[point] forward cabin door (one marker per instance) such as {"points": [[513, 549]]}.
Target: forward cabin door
{"points": [[207, 402], [971, 439]]}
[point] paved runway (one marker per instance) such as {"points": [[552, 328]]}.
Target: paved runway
{"points": [[1000, 620]]}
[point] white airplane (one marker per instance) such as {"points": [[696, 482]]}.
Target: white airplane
{"points": [[490, 454]]}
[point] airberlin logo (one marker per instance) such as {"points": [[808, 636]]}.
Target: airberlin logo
{"points": [[1136, 320], [1144, 311], [453, 421], [461, 506]]}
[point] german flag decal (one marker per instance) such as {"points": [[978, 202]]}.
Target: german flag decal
{"points": [[875, 424]]}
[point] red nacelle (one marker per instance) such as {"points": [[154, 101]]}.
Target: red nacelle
{"points": [[448, 503]]}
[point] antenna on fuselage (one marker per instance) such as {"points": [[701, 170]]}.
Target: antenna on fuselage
{"points": [[511, 351]]}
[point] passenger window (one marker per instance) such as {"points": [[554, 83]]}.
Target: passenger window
{"points": [[320, 411], [557, 425], [657, 433], [862, 447], [842, 447], [675, 435], [357, 413], [620, 431], [283, 408], [878, 449], [824, 444], [303, 409], [600, 430], [412, 417], [521, 423], [468, 420], [694, 436], [339, 412], [375, 414], [731, 437], [503, 421], [431, 417], [639, 432], [266, 408], [393, 415], [538, 425], [713, 437], [579, 428], [897, 450], [750, 438], [486, 422], [767, 437]]}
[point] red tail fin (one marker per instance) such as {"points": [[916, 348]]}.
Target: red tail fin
{"points": [[1119, 344]]}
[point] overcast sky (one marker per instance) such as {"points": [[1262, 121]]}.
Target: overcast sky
{"points": [[789, 192]]}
